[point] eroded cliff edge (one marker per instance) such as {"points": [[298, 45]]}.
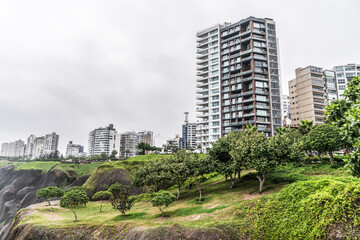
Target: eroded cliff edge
{"points": [[18, 190]]}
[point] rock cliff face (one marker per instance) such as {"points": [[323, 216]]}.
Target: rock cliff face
{"points": [[18, 190]]}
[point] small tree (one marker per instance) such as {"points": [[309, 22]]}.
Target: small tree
{"points": [[178, 169], [74, 198], [48, 193], [162, 198], [154, 174], [199, 166], [143, 147], [103, 156], [121, 199], [113, 154], [305, 126], [324, 138], [102, 196]]}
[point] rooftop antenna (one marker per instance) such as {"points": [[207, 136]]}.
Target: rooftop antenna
{"points": [[186, 117]]}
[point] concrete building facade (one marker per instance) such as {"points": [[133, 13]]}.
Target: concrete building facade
{"points": [[51, 144], [344, 73], [128, 142], [102, 140], [309, 93], [75, 150], [238, 79]]}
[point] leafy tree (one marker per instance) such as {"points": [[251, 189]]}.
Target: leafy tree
{"points": [[113, 154], [336, 115], [48, 193], [74, 198], [103, 155], [121, 199], [162, 198], [220, 152], [143, 147], [255, 148], [324, 138], [350, 124], [199, 166], [305, 126], [102, 196], [178, 168], [154, 174], [286, 146]]}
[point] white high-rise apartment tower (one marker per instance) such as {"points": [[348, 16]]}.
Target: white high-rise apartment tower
{"points": [[344, 73], [238, 79]]}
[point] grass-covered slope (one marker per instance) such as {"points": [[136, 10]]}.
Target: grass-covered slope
{"points": [[310, 202]]}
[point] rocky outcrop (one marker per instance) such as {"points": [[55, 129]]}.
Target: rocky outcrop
{"points": [[18, 190], [23, 231], [105, 176]]}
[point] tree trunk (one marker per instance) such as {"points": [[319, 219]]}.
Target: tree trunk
{"points": [[261, 181], [75, 214], [239, 176], [100, 206], [197, 182], [226, 177], [178, 191], [162, 212], [232, 180], [331, 157]]}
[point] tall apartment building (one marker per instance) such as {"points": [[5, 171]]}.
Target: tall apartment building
{"points": [[39, 147], [30, 146], [146, 137], [5, 149], [51, 144], [128, 142], [238, 78], [102, 140], [344, 73], [188, 139], [285, 106], [310, 91], [74, 149]]}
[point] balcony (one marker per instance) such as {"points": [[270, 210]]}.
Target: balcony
{"points": [[247, 72], [245, 52], [249, 115], [247, 79], [263, 122], [199, 97], [262, 92], [249, 122], [245, 39], [248, 93], [248, 107], [262, 106], [245, 33], [202, 109], [264, 129], [204, 90]]}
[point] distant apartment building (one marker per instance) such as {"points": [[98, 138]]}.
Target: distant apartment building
{"points": [[128, 142], [344, 73], [310, 91], [188, 139], [172, 144], [75, 150], [30, 146], [238, 79], [51, 144], [285, 106], [146, 137], [39, 147], [19, 148], [5, 147], [102, 140], [13, 149]]}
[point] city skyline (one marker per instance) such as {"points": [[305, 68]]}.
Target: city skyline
{"points": [[79, 69]]}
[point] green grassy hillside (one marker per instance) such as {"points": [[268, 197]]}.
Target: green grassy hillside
{"points": [[298, 202]]}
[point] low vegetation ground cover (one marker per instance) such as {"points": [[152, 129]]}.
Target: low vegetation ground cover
{"points": [[311, 201], [79, 169]]}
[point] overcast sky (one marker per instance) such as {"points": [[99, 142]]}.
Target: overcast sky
{"points": [[72, 66]]}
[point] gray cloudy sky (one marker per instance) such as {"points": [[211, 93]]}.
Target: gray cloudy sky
{"points": [[72, 66]]}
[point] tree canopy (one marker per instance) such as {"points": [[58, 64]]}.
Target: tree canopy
{"points": [[49, 192], [162, 198], [74, 198]]}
